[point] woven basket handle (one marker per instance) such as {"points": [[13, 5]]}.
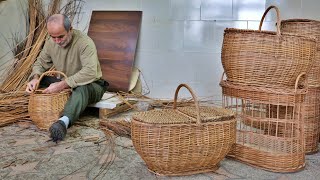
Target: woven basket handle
{"points": [[222, 76], [278, 19], [296, 86], [48, 72], [193, 96]]}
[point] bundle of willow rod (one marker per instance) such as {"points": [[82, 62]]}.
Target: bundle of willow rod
{"points": [[13, 107]]}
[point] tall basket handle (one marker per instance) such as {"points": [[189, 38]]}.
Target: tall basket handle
{"points": [[193, 96], [48, 72], [278, 19]]}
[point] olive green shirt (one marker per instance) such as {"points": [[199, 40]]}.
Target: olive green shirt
{"points": [[78, 60]]}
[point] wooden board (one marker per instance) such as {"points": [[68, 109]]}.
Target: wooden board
{"points": [[115, 34]]}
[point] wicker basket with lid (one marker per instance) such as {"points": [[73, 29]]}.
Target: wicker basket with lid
{"points": [[184, 140]]}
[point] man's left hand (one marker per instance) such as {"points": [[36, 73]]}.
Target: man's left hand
{"points": [[56, 87]]}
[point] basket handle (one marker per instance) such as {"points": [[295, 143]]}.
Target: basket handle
{"points": [[193, 96], [278, 19], [48, 72], [298, 79], [222, 76]]}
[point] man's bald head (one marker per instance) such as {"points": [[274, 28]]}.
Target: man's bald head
{"points": [[59, 20]]}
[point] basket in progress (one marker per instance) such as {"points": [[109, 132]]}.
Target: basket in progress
{"points": [[45, 109], [266, 58], [184, 140]]}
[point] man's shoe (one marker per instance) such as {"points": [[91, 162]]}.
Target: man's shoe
{"points": [[58, 131]]}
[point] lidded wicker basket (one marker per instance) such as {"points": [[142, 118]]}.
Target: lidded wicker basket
{"points": [[266, 58], [45, 109], [183, 140]]}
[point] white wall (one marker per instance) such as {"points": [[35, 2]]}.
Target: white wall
{"points": [[13, 24], [180, 40]]}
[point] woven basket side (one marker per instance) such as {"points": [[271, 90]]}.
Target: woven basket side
{"points": [[268, 160], [307, 28], [45, 109], [183, 149]]}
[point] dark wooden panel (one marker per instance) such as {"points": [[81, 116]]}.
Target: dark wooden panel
{"points": [[115, 34]]}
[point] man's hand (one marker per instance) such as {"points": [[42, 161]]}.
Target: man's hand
{"points": [[32, 84], [56, 87]]}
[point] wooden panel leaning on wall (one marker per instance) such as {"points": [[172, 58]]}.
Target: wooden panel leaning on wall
{"points": [[115, 34]]}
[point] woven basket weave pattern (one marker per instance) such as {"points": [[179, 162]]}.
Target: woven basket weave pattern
{"points": [[269, 126], [264, 58], [45, 109], [179, 142], [308, 28]]}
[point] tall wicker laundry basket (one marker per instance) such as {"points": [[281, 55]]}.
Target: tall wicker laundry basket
{"points": [[183, 140], [45, 109], [266, 58]]}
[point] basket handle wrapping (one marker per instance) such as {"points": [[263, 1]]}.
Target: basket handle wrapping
{"points": [[278, 19], [48, 72], [193, 96]]}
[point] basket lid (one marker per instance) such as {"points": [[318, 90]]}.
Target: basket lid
{"points": [[184, 115]]}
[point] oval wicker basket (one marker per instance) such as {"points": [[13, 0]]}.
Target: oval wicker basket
{"points": [[45, 109], [266, 58], [184, 140]]}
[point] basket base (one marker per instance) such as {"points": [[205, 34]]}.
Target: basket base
{"points": [[186, 173]]}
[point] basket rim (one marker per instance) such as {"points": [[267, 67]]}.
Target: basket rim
{"points": [[190, 123], [236, 30], [300, 20], [284, 91]]}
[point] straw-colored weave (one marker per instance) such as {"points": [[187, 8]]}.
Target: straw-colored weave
{"points": [[306, 27], [265, 58], [174, 143], [269, 126], [45, 109], [282, 115]]}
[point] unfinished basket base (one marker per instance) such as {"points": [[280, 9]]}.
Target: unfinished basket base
{"points": [[187, 173], [267, 160]]}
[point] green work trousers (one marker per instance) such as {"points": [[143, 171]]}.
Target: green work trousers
{"points": [[80, 98]]}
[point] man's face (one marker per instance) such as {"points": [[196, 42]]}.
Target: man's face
{"points": [[59, 35]]}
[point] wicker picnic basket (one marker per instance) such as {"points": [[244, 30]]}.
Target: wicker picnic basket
{"points": [[266, 58], [45, 109], [183, 140]]}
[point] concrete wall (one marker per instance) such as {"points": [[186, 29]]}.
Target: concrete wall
{"points": [[180, 40], [12, 26]]}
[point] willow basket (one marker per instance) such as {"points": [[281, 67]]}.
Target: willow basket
{"points": [[306, 27], [45, 109], [184, 140], [267, 138], [266, 58]]}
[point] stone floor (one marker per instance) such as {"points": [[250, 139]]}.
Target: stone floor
{"points": [[86, 153]]}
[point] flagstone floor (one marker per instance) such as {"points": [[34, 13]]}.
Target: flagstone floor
{"points": [[87, 153]]}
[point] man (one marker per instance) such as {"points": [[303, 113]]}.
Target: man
{"points": [[74, 54]]}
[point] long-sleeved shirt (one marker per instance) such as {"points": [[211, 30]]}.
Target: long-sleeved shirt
{"points": [[78, 60]]}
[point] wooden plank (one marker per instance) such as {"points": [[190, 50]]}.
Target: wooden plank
{"points": [[105, 113], [115, 34]]}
